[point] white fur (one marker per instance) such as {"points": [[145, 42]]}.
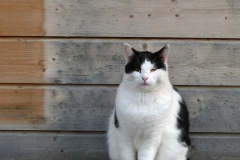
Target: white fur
{"points": [[147, 117]]}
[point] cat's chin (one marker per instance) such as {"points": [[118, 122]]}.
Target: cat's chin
{"points": [[145, 86]]}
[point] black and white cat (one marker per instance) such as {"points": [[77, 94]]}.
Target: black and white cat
{"points": [[150, 120]]}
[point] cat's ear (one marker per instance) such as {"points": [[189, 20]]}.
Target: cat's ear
{"points": [[163, 53], [129, 52]]}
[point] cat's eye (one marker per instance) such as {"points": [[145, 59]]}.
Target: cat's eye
{"points": [[137, 69], [152, 70]]}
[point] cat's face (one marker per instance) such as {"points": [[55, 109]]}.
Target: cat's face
{"points": [[145, 69]]}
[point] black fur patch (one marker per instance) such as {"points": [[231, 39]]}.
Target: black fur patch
{"points": [[183, 123], [139, 58], [116, 123]]}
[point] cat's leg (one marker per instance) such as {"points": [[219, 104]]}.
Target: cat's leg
{"points": [[114, 151], [171, 149], [183, 153], [149, 148], [113, 147], [127, 151], [120, 146]]}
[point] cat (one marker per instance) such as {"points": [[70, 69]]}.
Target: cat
{"points": [[150, 120]]}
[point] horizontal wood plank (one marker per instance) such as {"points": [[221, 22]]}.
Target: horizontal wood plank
{"points": [[39, 146], [89, 108], [86, 61], [120, 18], [21, 105], [21, 62], [22, 18], [215, 147], [192, 19], [82, 146]]}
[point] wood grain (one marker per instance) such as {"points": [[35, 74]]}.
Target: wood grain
{"points": [[191, 19], [185, 19], [21, 62], [20, 106], [22, 18], [44, 145], [87, 108], [215, 147], [82, 146], [87, 61]]}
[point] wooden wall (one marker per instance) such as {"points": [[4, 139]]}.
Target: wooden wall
{"points": [[62, 60]]}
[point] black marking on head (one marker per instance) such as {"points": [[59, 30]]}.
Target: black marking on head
{"points": [[139, 58], [116, 123], [183, 123]]}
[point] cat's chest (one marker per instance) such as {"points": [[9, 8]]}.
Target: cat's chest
{"points": [[142, 108]]}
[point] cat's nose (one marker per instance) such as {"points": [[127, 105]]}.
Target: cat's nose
{"points": [[144, 79]]}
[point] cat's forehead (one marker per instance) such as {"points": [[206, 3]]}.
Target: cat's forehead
{"points": [[145, 55], [147, 64]]}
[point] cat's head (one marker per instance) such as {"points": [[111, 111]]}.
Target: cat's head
{"points": [[145, 69]]}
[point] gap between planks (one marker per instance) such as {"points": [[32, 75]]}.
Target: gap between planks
{"points": [[74, 132], [54, 132], [19, 85], [119, 38]]}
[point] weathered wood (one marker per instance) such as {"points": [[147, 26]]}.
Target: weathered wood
{"points": [[87, 61], [52, 146], [22, 18], [88, 108], [120, 18], [82, 146], [219, 147], [213, 109], [195, 19]]}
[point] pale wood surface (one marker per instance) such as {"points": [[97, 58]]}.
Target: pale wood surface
{"points": [[87, 61], [92, 146], [139, 18], [88, 108]]}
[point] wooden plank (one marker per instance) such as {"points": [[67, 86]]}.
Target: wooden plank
{"points": [[219, 147], [120, 18], [64, 108], [82, 146], [22, 18], [21, 105], [21, 62], [39, 146], [87, 61], [192, 19], [88, 108], [213, 109]]}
